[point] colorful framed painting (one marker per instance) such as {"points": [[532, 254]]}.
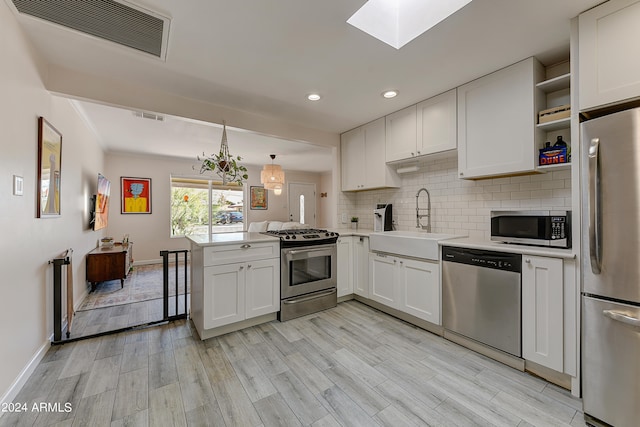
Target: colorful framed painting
{"points": [[135, 195], [258, 198], [49, 167]]}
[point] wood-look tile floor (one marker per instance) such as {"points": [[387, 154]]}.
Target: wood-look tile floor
{"points": [[348, 366], [99, 320]]}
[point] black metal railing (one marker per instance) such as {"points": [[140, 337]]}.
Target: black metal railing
{"points": [[165, 283], [57, 295]]}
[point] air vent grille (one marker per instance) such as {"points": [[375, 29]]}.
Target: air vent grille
{"points": [[106, 19]]}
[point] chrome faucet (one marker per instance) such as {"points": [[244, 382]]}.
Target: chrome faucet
{"points": [[428, 209]]}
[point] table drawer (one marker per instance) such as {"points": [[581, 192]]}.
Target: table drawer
{"points": [[224, 254]]}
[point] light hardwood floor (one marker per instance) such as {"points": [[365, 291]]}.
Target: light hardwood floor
{"points": [[350, 366]]}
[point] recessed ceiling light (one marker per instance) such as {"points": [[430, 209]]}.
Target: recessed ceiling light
{"points": [[313, 97], [390, 94]]}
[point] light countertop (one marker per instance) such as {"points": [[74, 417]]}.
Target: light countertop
{"points": [[230, 238], [475, 243], [363, 232]]}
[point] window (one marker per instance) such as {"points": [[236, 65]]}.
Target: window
{"points": [[302, 209], [202, 206]]}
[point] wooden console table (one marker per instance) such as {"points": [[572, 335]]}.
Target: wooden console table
{"points": [[109, 264]]}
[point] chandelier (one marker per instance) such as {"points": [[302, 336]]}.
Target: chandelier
{"points": [[272, 177], [224, 164]]}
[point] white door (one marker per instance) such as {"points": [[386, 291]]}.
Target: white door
{"points": [[262, 287], [420, 289], [302, 203], [382, 279], [345, 266]]}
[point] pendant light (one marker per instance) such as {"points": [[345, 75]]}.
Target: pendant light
{"points": [[272, 177]]}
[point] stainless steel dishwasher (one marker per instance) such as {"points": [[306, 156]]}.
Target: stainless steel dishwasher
{"points": [[481, 297]]}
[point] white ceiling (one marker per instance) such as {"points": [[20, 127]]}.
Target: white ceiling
{"points": [[264, 57]]}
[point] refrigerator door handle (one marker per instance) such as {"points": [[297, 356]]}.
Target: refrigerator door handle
{"points": [[595, 248], [621, 317]]}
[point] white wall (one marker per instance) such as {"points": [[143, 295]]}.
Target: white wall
{"points": [[150, 233], [459, 206], [28, 243]]}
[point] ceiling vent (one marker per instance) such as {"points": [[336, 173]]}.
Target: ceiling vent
{"points": [[115, 21], [150, 116]]}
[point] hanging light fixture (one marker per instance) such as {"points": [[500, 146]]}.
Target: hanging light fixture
{"points": [[272, 177], [224, 164]]}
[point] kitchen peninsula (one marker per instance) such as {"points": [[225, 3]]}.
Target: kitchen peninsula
{"points": [[235, 281]]}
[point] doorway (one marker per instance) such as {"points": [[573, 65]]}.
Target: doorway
{"points": [[302, 203]]}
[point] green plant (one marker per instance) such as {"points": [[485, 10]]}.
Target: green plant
{"points": [[354, 219], [228, 169]]}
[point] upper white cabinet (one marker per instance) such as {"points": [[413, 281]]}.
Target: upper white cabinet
{"points": [[426, 128], [401, 135], [363, 158], [437, 124], [497, 117], [609, 68]]}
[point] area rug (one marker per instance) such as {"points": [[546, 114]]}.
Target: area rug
{"points": [[143, 283]]}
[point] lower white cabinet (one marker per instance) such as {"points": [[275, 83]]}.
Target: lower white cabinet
{"points": [[232, 283], [345, 267], [542, 311], [239, 291], [420, 289], [409, 285], [361, 266]]}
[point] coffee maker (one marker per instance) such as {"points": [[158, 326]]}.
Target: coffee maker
{"points": [[382, 217]]}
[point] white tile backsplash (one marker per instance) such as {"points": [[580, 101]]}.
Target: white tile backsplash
{"points": [[458, 206]]}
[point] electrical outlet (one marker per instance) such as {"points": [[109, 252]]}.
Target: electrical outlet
{"points": [[344, 218]]}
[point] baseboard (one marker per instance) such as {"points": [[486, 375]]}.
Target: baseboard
{"points": [[26, 372]]}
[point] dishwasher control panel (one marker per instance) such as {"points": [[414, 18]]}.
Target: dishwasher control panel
{"points": [[482, 258]]}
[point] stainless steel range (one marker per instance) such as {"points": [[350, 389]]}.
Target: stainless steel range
{"points": [[308, 275]]}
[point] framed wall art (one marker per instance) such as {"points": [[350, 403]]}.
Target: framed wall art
{"points": [[135, 195], [49, 167], [258, 198]]}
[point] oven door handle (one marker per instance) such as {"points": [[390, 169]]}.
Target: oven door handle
{"points": [[310, 297], [309, 250]]}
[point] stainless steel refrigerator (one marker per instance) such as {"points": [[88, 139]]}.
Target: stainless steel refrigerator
{"points": [[611, 268]]}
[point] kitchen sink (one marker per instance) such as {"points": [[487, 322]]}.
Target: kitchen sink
{"points": [[416, 244]]}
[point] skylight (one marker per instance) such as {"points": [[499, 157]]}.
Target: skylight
{"points": [[397, 22]]}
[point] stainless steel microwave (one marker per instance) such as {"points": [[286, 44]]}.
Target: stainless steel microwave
{"points": [[537, 228]]}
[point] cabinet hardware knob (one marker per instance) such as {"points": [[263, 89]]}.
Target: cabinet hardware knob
{"points": [[413, 154], [241, 267], [245, 246], [528, 261], [461, 174], [249, 266], [418, 152]]}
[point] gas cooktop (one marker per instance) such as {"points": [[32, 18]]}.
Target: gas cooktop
{"points": [[306, 235]]}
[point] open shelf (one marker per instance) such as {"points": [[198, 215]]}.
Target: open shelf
{"points": [[555, 84], [555, 124], [555, 167]]}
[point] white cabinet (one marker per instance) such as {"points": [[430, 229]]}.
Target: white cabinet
{"points": [[363, 159], [542, 311], [224, 288], [609, 68], [361, 266], [235, 292], [497, 114], [426, 128], [383, 287], [409, 285], [232, 283], [401, 134], [262, 283], [345, 267], [420, 289], [437, 124]]}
